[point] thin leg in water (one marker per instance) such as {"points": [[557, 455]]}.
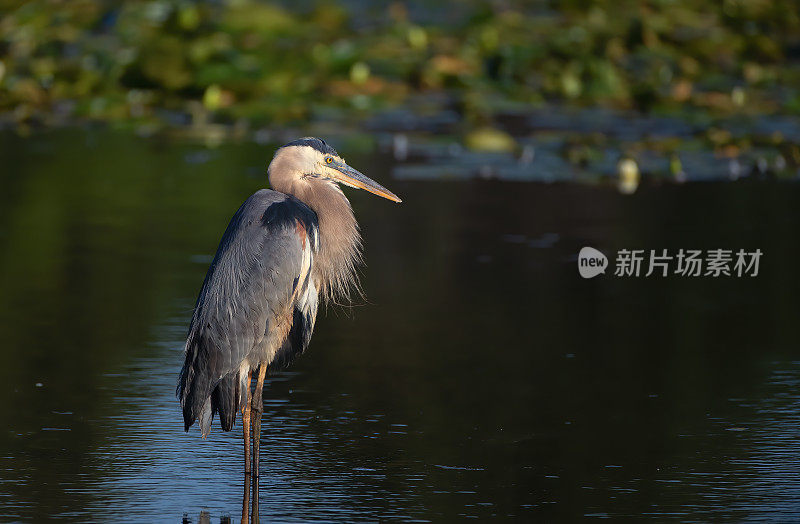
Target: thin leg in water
{"points": [[246, 434], [258, 408]]}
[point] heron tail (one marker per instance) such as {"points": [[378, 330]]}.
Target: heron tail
{"points": [[201, 393], [201, 399], [194, 392], [225, 400]]}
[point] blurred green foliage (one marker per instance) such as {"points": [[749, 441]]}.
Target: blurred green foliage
{"points": [[265, 62]]}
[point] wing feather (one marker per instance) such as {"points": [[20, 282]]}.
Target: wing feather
{"points": [[257, 274]]}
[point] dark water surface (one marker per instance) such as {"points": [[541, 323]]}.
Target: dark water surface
{"points": [[483, 378]]}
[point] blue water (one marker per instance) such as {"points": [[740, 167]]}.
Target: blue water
{"points": [[482, 378]]}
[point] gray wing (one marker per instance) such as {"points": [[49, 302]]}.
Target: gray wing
{"points": [[261, 269]]}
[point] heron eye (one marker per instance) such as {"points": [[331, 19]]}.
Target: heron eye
{"points": [[329, 160]]}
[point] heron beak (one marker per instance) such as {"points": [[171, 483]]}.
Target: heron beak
{"points": [[354, 178]]}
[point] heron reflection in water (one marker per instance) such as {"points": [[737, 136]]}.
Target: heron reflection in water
{"points": [[282, 251]]}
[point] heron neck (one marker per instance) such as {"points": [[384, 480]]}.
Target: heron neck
{"points": [[339, 240]]}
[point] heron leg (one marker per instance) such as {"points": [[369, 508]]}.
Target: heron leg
{"points": [[258, 408], [246, 435]]}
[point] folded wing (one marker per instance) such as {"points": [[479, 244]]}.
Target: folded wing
{"points": [[260, 275]]}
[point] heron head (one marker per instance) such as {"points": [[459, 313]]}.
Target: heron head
{"points": [[310, 160]]}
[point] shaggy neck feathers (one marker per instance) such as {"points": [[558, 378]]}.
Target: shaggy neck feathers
{"points": [[339, 255]]}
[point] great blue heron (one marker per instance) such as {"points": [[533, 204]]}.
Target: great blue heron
{"points": [[256, 310]]}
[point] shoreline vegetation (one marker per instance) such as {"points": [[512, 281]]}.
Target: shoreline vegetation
{"points": [[594, 83]]}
